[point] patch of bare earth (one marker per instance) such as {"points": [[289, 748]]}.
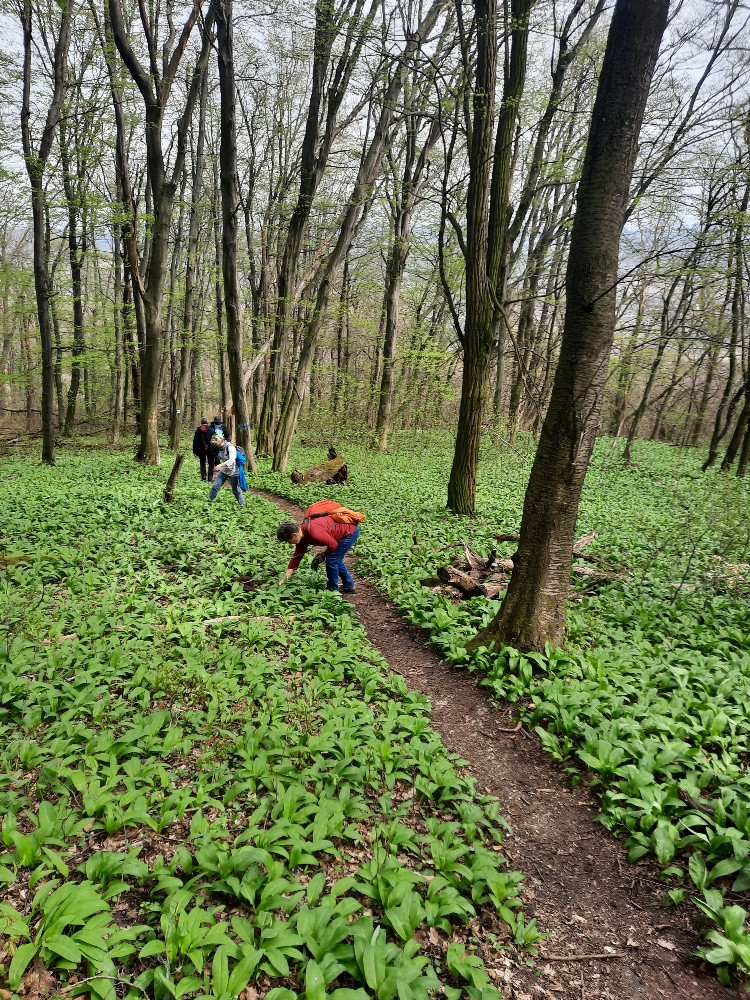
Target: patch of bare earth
{"points": [[577, 883]]}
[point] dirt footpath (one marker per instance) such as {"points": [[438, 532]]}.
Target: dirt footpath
{"points": [[577, 883]]}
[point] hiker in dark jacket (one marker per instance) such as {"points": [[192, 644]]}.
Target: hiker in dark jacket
{"points": [[202, 450], [217, 429], [338, 540]]}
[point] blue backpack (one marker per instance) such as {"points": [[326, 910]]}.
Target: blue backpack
{"points": [[241, 459]]}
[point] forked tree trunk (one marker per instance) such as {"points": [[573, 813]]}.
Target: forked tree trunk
{"points": [[189, 306], [486, 236], [324, 103], [352, 218], [533, 612], [155, 86]]}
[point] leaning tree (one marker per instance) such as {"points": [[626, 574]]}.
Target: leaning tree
{"points": [[533, 612]]}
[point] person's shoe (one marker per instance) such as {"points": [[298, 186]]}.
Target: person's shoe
{"points": [[348, 590]]}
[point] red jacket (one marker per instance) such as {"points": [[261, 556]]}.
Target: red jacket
{"points": [[320, 531]]}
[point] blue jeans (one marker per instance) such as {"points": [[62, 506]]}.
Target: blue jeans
{"points": [[335, 565], [234, 482]]}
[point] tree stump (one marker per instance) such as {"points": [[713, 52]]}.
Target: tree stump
{"points": [[169, 488], [330, 472]]}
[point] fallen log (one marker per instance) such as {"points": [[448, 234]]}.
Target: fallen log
{"points": [[169, 488], [331, 472], [508, 538], [460, 580], [474, 560]]}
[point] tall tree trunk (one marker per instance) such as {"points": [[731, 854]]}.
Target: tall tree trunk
{"points": [[533, 612], [738, 434], [54, 313], [29, 379], [155, 87], [745, 453], [230, 206], [36, 162], [189, 305], [726, 406], [353, 217], [486, 237], [73, 187], [219, 301], [118, 381], [700, 416], [316, 146]]}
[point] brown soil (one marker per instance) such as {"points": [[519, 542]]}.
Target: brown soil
{"points": [[577, 883]]}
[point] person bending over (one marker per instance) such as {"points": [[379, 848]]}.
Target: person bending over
{"points": [[338, 540]]}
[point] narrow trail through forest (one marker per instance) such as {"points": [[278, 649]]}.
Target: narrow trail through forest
{"points": [[577, 882]]}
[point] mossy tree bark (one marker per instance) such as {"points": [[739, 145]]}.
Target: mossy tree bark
{"points": [[533, 612]]}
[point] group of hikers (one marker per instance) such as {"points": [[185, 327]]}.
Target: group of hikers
{"points": [[220, 461], [326, 523]]}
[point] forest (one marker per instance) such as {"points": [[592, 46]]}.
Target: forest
{"points": [[491, 260]]}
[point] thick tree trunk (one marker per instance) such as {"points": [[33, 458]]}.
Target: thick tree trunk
{"points": [[533, 612], [394, 276], [230, 206], [36, 162], [74, 193], [118, 381], [486, 236]]}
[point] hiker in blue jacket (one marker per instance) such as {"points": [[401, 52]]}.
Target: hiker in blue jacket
{"points": [[227, 468]]}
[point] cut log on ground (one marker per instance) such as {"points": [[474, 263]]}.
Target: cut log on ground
{"points": [[462, 581], [331, 473], [169, 488]]}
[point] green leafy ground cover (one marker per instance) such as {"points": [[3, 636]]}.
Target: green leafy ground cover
{"points": [[207, 782], [652, 693]]}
